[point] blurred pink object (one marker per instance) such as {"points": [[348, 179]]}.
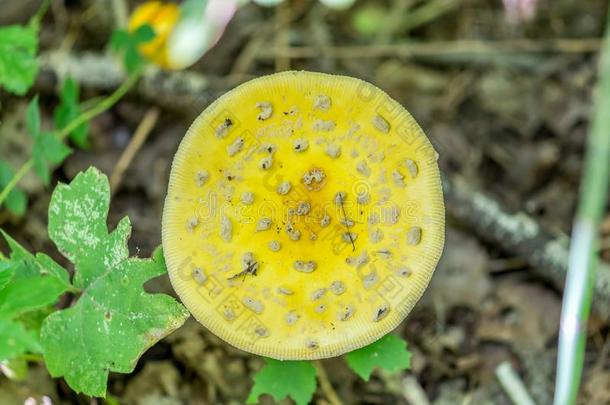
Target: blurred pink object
{"points": [[194, 35], [518, 11], [219, 13]]}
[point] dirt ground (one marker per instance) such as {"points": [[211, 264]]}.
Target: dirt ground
{"points": [[507, 119]]}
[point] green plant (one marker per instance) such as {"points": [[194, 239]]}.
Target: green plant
{"points": [[18, 47], [389, 353], [98, 333], [70, 121], [584, 257]]}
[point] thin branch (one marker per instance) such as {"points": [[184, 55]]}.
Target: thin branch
{"points": [[512, 385], [413, 392], [23, 170], [185, 92], [282, 29], [191, 92], [104, 105], [102, 71], [440, 48], [142, 131], [325, 384], [520, 235]]}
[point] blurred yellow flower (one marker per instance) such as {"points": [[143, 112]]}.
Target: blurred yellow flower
{"points": [[183, 33], [162, 17]]}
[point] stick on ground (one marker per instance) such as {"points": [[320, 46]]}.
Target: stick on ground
{"points": [[521, 235], [512, 385], [139, 137]]}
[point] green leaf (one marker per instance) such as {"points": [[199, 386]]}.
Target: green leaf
{"points": [[132, 59], [37, 281], [15, 340], [68, 110], [77, 225], [69, 92], [144, 33], [40, 166], [28, 286], [369, 19], [114, 321], [119, 40], [390, 353], [18, 63], [6, 273], [53, 150], [127, 43], [16, 202], [32, 320], [48, 150], [280, 379], [32, 118]]}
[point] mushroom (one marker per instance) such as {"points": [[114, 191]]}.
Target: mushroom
{"points": [[340, 251]]}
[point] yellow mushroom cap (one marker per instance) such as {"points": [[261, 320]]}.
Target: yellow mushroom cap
{"points": [[304, 215]]}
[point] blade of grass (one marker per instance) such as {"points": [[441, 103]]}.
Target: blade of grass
{"points": [[584, 245]]}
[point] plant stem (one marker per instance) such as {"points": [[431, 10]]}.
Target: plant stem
{"points": [[23, 170], [111, 400], [583, 249], [33, 357], [103, 105], [325, 384], [42, 10]]}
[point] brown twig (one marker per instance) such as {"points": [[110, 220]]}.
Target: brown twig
{"points": [[185, 92], [325, 384], [282, 28], [413, 392], [444, 48], [190, 91], [247, 56], [520, 235], [321, 37], [140, 136], [513, 385]]}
